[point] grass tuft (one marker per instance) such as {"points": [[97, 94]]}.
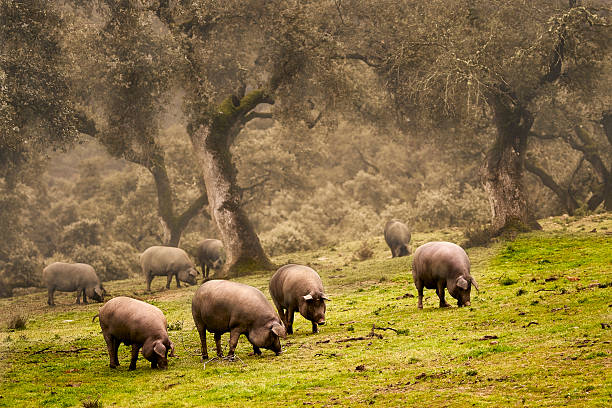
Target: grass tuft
{"points": [[365, 251], [17, 322], [92, 403]]}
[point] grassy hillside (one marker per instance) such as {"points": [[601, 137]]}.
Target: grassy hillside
{"points": [[537, 334]]}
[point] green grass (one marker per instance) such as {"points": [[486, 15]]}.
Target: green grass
{"points": [[541, 340]]}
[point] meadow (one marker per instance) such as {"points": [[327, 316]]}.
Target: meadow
{"points": [[537, 334]]}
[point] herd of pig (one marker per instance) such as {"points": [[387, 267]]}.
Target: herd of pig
{"points": [[221, 306]]}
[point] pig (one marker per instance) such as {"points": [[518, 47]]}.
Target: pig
{"points": [[167, 261], [298, 287], [210, 255], [139, 324], [397, 237], [221, 306], [439, 265], [68, 277]]}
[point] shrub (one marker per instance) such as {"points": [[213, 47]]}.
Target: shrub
{"points": [[21, 269], [286, 237], [365, 251], [118, 260], [82, 233]]}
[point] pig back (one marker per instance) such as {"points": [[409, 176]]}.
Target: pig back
{"points": [[132, 320], [293, 281], [160, 260], [396, 233], [68, 277], [436, 261], [221, 305], [209, 249]]}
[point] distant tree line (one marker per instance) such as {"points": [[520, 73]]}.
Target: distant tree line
{"points": [[309, 122]]}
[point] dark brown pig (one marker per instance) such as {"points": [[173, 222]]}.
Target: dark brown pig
{"points": [[397, 236], [67, 277], [210, 255], [221, 306], [170, 262], [139, 324], [439, 265], [298, 287]]}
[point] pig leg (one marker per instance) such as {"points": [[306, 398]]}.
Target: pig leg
{"points": [[202, 333], [290, 316], [234, 335], [315, 328], [169, 280], [112, 350], [218, 345], [135, 350], [281, 312], [440, 292], [149, 279], [50, 301], [178, 283], [84, 297], [78, 299], [256, 350], [419, 286], [206, 270]]}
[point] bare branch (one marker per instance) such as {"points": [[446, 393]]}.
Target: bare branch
{"points": [[316, 120], [368, 163], [257, 115], [354, 56]]}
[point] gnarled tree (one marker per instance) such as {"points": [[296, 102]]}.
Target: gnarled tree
{"points": [[135, 66], [483, 65]]}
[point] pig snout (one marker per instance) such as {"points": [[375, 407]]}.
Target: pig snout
{"points": [[321, 321]]}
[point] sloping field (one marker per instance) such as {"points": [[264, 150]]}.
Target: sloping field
{"points": [[538, 334]]}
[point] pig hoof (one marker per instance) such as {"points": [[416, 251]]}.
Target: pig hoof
{"points": [[132, 368], [113, 366], [204, 357]]}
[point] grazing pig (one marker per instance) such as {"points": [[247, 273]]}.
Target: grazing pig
{"points": [[397, 237], [67, 277], [139, 324], [439, 265], [167, 261], [210, 255], [221, 306], [298, 287]]}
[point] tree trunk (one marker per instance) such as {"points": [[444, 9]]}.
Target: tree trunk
{"points": [[503, 170], [212, 142]]}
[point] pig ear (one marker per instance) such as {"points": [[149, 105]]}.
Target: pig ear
{"points": [[462, 283], [324, 297], [279, 330], [307, 297], [159, 349], [171, 349], [474, 283], [98, 292]]}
